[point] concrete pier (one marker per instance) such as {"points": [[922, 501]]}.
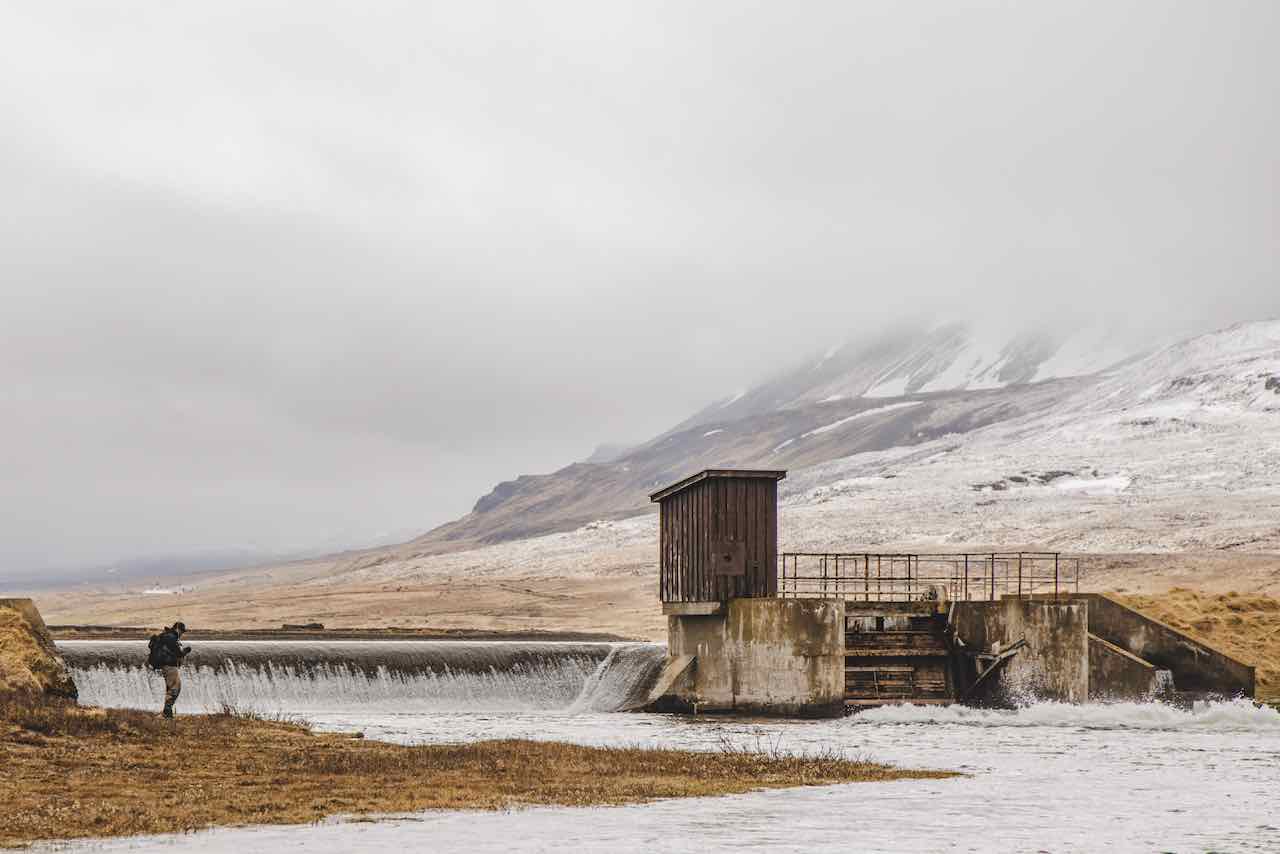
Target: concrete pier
{"points": [[758, 656], [814, 634]]}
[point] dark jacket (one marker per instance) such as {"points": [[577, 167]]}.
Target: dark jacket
{"points": [[170, 650]]}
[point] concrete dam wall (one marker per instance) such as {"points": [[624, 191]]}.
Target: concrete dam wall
{"points": [[391, 676], [820, 657], [780, 656]]}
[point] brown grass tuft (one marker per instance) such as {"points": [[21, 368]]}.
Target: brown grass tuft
{"points": [[28, 661], [71, 772]]}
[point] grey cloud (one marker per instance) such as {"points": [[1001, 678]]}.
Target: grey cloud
{"points": [[273, 275]]}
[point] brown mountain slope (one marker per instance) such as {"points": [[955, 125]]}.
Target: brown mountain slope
{"points": [[790, 439]]}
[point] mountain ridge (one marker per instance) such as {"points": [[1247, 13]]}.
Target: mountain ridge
{"points": [[894, 390]]}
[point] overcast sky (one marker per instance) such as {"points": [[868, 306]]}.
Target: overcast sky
{"points": [[279, 274]]}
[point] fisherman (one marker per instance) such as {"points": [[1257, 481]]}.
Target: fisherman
{"points": [[165, 654]]}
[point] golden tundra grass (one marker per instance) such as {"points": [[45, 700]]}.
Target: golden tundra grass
{"points": [[70, 772]]}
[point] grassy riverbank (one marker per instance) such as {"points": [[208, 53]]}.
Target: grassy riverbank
{"points": [[72, 772], [1246, 626]]}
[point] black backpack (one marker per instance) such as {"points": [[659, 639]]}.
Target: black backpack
{"points": [[156, 657]]}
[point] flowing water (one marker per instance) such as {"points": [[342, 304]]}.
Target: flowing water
{"points": [[1049, 777], [303, 677]]}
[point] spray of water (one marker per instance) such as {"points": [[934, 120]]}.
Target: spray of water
{"points": [[1217, 716]]}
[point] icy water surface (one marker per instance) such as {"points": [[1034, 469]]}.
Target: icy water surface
{"points": [[1050, 777]]}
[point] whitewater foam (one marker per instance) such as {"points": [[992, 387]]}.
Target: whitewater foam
{"points": [[566, 680], [1217, 716]]}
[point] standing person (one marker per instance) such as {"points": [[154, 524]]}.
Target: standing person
{"points": [[166, 654]]}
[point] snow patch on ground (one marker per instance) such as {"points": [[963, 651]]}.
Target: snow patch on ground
{"points": [[712, 433], [976, 366], [1098, 486], [834, 425], [734, 399], [892, 386]]}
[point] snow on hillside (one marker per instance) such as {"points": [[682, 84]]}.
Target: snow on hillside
{"points": [[857, 416], [626, 547], [1225, 371], [1178, 451], [945, 357], [1089, 351], [969, 357]]}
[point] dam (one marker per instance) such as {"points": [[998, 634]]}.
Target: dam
{"points": [[1153, 775], [301, 677], [749, 630], [821, 634]]}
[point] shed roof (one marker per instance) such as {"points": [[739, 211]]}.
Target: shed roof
{"points": [[705, 474]]}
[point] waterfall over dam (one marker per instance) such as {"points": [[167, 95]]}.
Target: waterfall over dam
{"points": [[389, 676]]}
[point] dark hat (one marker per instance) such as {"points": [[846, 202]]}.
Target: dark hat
{"points": [[180, 626]]}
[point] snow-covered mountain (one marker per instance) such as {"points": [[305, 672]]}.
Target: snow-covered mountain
{"points": [[919, 359], [1176, 451], [1175, 454], [895, 392]]}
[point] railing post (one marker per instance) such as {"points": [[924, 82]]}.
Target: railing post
{"points": [[966, 578], [1019, 575], [1055, 576]]}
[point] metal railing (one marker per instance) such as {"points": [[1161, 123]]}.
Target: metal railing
{"points": [[905, 577]]}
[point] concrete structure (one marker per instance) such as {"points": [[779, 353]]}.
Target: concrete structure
{"points": [[862, 630], [1089, 647], [896, 651], [1195, 666], [1118, 675], [760, 656], [1052, 665]]}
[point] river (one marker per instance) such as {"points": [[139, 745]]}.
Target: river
{"points": [[1048, 777]]}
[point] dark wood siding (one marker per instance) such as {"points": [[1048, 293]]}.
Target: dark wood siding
{"points": [[719, 512]]}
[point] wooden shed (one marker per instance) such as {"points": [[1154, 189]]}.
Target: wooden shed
{"points": [[719, 535]]}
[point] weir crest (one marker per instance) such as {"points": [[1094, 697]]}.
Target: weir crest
{"points": [[394, 677]]}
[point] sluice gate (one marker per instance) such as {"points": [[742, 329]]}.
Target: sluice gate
{"points": [[896, 652], [821, 634]]}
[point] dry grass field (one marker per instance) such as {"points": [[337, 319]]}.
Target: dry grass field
{"points": [[613, 590], [73, 772]]}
